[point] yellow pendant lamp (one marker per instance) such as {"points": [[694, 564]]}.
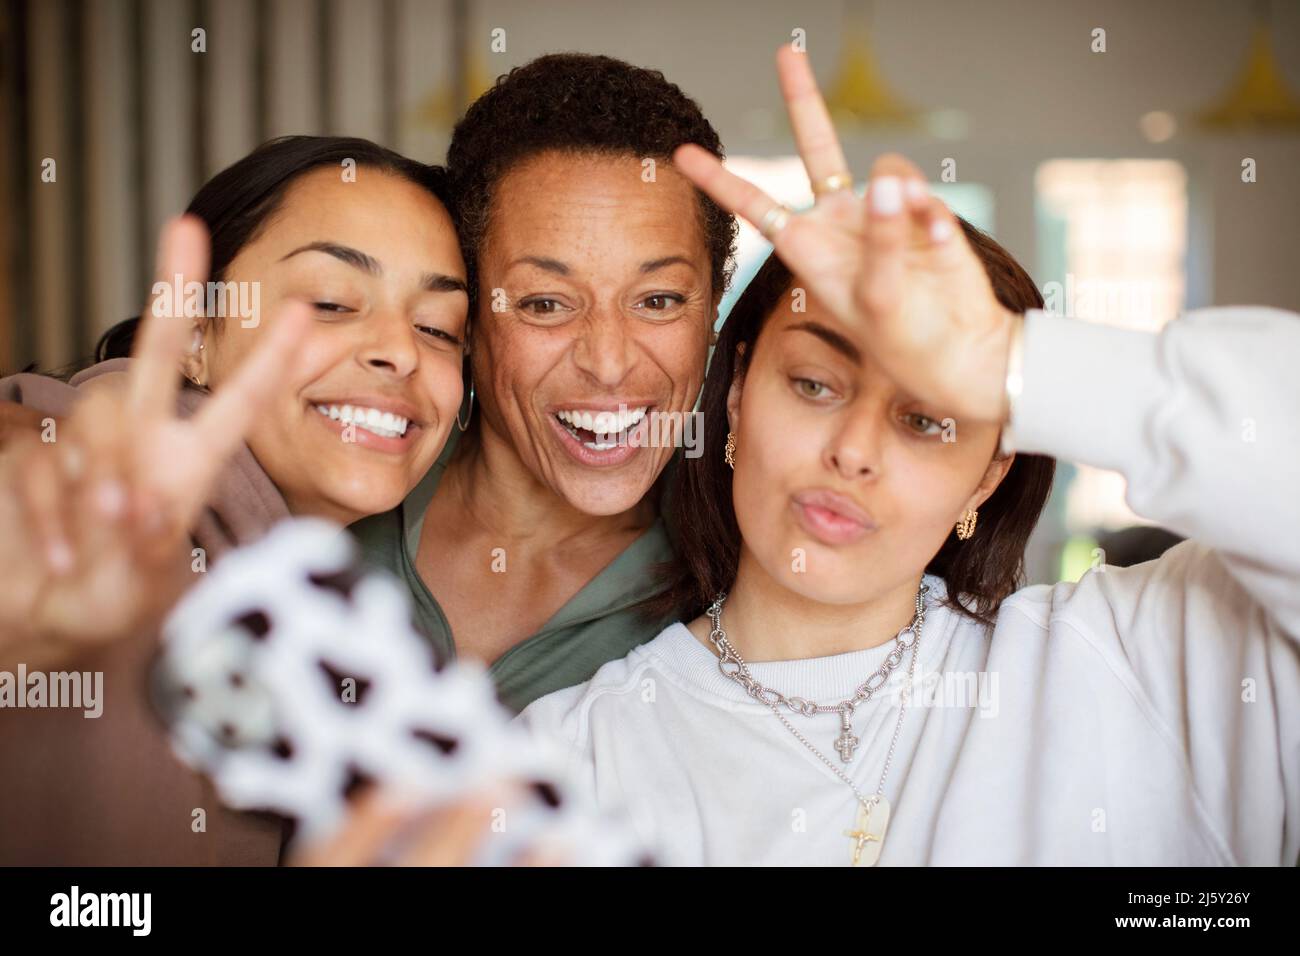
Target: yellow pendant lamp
{"points": [[438, 109], [1259, 98], [859, 94]]}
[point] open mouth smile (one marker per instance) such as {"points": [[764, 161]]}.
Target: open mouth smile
{"points": [[601, 431], [381, 423], [602, 436]]}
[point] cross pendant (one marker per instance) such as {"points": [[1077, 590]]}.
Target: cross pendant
{"points": [[868, 834], [860, 839], [846, 743]]}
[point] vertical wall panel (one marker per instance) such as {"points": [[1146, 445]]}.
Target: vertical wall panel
{"points": [[424, 93], [112, 151], [167, 136], [230, 107], [51, 202], [292, 54], [356, 69], [14, 187]]}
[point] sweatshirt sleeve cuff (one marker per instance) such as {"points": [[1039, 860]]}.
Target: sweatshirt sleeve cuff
{"points": [[1089, 392]]}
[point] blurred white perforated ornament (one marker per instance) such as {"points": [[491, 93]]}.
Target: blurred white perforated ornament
{"points": [[288, 676]]}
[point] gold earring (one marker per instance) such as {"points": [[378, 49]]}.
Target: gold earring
{"points": [[966, 526], [729, 452], [199, 347]]}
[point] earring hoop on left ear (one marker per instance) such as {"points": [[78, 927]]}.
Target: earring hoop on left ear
{"points": [[966, 526], [469, 415]]}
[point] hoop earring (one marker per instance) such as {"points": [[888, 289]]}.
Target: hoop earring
{"points": [[729, 452], [468, 415], [966, 526]]}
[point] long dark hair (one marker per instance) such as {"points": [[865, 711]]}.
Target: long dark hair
{"points": [[236, 202], [983, 570]]}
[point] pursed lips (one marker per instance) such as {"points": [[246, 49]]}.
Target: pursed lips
{"points": [[832, 517]]}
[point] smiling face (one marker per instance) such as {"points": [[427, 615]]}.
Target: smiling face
{"points": [[376, 383], [832, 458], [597, 305]]}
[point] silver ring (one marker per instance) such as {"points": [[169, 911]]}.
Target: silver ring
{"points": [[774, 220]]}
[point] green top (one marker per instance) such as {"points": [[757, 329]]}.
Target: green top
{"points": [[597, 625]]}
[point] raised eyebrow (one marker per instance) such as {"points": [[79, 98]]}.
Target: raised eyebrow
{"points": [[832, 338], [543, 262], [437, 282], [353, 257], [655, 264]]}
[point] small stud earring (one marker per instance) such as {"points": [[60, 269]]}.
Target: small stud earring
{"points": [[729, 452], [199, 346]]}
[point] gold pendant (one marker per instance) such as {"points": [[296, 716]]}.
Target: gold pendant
{"points": [[868, 834]]}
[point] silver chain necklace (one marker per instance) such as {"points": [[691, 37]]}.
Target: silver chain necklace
{"points": [[846, 743]]}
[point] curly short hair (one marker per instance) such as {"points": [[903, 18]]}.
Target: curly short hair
{"points": [[579, 103]]}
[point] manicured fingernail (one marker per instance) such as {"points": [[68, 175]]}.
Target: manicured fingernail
{"points": [[887, 195], [110, 498], [59, 556], [940, 230], [916, 189]]}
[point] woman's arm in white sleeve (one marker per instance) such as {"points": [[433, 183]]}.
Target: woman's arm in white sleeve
{"points": [[1203, 420]]}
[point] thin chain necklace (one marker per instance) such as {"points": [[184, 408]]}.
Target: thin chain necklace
{"points": [[873, 812]]}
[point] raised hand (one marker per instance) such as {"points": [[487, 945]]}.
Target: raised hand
{"points": [[895, 259], [96, 522], [384, 830]]}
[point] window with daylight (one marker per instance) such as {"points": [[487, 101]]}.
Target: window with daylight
{"points": [[1112, 243]]}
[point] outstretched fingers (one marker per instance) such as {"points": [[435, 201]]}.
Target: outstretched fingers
{"points": [[164, 329], [41, 489], [900, 213], [814, 133], [728, 190]]}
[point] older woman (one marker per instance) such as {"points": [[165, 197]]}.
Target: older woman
{"points": [[599, 269]]}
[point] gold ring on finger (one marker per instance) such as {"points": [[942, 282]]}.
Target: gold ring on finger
{"points": [[832, 184], [774, 220]]}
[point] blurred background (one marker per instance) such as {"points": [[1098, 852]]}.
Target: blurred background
{"points": [[1138, 158]]}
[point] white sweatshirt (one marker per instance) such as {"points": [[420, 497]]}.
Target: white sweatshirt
{"points": [[1145, 715]]}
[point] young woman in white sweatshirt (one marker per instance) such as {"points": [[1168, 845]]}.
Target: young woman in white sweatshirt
{"points": [[887, 418]]}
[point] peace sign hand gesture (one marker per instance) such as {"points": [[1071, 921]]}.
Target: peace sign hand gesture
{"points": [[96, 522], [894, 261]]}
